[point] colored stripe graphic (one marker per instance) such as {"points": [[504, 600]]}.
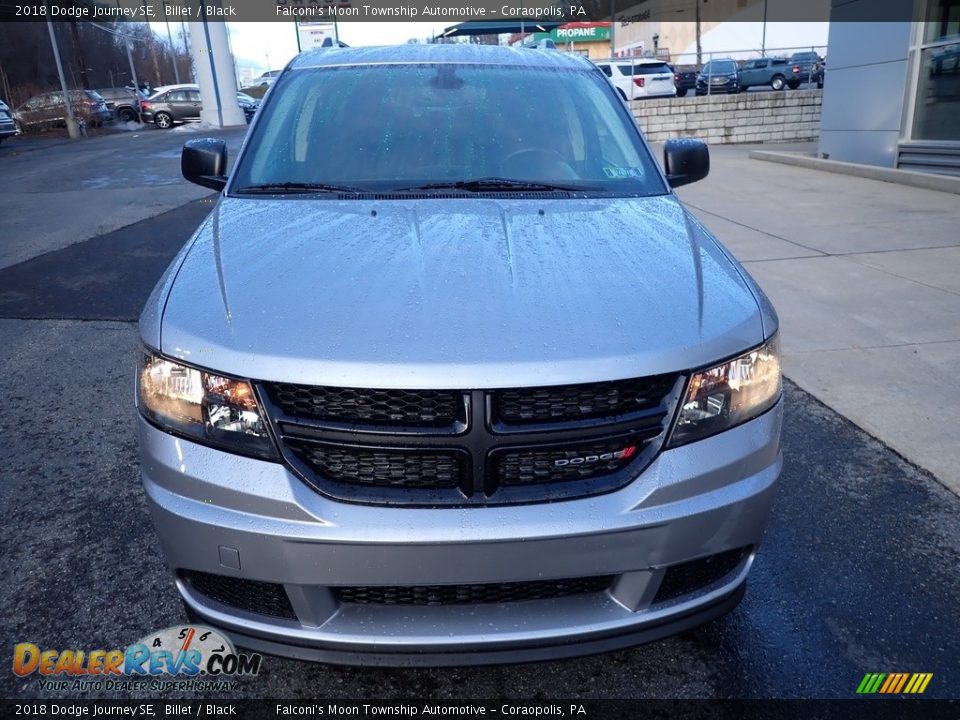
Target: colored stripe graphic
{"points": [[894, 683], [903, 681], [918, 683]]}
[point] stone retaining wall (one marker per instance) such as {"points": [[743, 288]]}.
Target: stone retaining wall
{"points": [[750, 117]]}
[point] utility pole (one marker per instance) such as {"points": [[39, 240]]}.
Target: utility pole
{"points": [[133, 70], [173, 50], [186, 49], [78, 54], [613, 29], [151, 41], [72, 128], [699, 45], [763, 42]]}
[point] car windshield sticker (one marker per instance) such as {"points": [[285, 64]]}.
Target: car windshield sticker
{"points": [[623, 172]]}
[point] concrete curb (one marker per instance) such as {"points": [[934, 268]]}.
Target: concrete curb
{"points": [[927, 181]]}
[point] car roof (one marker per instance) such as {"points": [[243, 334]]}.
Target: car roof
{"points": [[454, 53], [180, 86]]}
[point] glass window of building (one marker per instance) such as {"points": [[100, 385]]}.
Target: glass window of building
{"points": [[937, 109]]}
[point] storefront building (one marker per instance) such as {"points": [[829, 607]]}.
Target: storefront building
{"points": [[892, 91], [590, 39]]}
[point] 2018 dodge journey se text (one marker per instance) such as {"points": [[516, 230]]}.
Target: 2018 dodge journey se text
{"points": [[450, 376]]}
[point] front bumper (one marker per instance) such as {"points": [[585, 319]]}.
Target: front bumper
{"points": [[242, 518], [718, 89]]}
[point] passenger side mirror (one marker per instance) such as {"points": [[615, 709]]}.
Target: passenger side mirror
{"points": [[204, 162], [685, 161]]}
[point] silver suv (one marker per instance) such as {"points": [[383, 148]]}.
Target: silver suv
{"points": [[449, 375]]}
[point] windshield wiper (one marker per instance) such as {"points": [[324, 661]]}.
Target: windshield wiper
{"points": [[297, 187], [495, 183]]}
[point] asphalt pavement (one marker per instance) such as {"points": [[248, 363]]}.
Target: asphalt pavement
{"points": [[857, 573], [58, 192]]}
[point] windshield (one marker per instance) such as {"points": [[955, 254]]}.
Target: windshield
{"points": [[400, 126], [646, 69], [720, 67]]}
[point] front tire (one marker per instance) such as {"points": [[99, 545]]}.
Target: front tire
{"points": [[778, 82], [163, 120]]}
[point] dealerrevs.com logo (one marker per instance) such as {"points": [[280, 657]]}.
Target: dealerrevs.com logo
{"points": [[183, 657]]}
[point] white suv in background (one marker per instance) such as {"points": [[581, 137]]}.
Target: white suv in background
{"points": [[267, 78], [640, 77]]}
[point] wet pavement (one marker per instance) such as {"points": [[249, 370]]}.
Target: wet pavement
{"points": [[58, 192], [858, 571]]}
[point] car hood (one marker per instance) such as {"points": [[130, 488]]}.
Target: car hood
{"points": [[452, 293]]}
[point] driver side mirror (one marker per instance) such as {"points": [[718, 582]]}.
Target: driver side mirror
{"points": [[685, 160], [204, 162]]}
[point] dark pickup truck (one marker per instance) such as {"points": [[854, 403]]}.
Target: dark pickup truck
{"points": [[773, 71], [805, 67], [685, 78]]}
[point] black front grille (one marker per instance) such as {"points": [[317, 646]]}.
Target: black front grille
{"points": [[558, 464], [411, 408], [392, 468], [472, 594], [690, 577], [570, 403], [435, 448], [252, 596]]}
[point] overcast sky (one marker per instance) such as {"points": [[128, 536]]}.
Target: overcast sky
{"points": [[253, 42]]}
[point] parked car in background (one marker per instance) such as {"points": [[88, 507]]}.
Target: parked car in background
{"points": [[685, 78], [50, 109], [805, 68], [8, 127], [719, 76], [640, 78], [248, 104], [123, 102], [772, 71], [267, 78], [172, 105]]}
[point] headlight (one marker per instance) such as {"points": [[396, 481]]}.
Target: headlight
{"points": [[211, 409], [729, 394]]}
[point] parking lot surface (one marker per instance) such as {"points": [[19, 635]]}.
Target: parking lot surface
{"points": [[857, 573], [60, 192]]}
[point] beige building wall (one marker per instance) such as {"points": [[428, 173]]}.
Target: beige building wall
{"points": [[674, 37], [680, 32], [592, 50]]}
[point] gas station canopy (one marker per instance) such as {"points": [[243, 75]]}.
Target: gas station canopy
{"points": [[495, 27]]}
